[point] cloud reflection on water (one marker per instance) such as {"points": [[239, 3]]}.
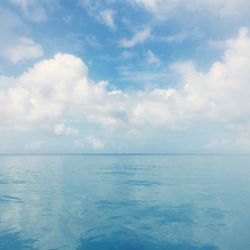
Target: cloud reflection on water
{"points": [[120, 202]]}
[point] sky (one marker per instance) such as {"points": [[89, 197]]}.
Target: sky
{"points": [[124, 76]]}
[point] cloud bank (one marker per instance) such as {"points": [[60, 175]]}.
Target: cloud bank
{"points": [[58, 90]]}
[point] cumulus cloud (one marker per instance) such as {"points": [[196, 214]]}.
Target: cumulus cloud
{"points": [[139, 37], [59, 89], [222, 93], [55, 89]]}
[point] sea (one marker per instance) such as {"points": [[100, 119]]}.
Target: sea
{"points": [[132, 202]]}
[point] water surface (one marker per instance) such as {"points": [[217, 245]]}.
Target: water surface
{"points": [[124, 202]]}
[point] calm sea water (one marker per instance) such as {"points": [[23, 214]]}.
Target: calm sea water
{"points": [[124, 202]]}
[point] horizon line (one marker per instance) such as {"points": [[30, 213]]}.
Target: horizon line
{"points": [[128, 154]]}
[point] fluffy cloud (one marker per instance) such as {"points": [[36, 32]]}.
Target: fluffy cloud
{"points": [[223, 92], [59, 89], [55, 89]]}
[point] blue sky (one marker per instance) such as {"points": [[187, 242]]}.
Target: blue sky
{"points": [[156, 76]]}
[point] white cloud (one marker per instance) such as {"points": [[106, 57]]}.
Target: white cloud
{"points": [[221, 93], [23, 49], [107, 17], [61, 129], [217, 44], [96, 143], [55, 89], [163, 9], [138, 37], [158, 7], [101, 11], [152, 58], [35, 11], [15, 46], [59, 89]]}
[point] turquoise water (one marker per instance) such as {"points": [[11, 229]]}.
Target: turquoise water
{"points": [[124, 202]]}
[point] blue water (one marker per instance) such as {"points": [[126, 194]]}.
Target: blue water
{"points": [[124, 202]]}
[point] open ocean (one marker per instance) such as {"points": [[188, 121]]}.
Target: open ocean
{"points": [[177, 202]]}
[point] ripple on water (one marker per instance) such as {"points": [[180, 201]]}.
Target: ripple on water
{"points": [[8, 198], [11, 181], [14, 241], [124, 240]]}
